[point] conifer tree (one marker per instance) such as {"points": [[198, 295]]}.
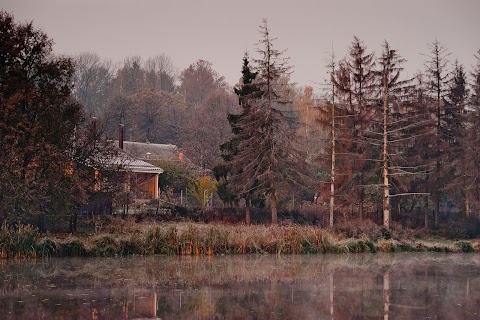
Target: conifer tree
{"points": [[226, 173], [469, 164], [417, 151], [438, 77], [394, 122], [453, 133], [355, 80], [266, 157]]}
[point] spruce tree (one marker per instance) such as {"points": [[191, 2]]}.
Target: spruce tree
{"points": [[227, 173], [453, 133], [355, 80], [266, 156], [395, 126], [438, 75], [468, 166]]}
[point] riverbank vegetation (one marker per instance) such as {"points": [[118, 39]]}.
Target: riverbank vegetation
{"points": [[121, 237]]}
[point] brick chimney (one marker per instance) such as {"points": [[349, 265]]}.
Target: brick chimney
{"points": [[181, 156]]}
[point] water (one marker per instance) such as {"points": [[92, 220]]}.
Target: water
{"points": [[365, 286]]}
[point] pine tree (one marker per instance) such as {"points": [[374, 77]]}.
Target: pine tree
{"points": [[355, 81], [469, 164], [417, 151], [226, 173], [475, 74], [394, 123], [266, 156], [438, 77], [453, 133]]}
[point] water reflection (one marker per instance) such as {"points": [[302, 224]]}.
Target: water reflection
{"points": [[366, 286]]}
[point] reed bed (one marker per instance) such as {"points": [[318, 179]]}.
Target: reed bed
{"points": [[24, 241]]}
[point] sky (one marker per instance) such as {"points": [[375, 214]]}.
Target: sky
{"points": [[220, 31]]}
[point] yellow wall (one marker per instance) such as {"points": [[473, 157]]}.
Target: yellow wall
{"points": [[147, 184]]}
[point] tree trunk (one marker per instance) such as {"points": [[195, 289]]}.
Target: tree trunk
{"points": [[332, 202], [386, 186], [467, 206], [478, 207], [386, 197], [437, 201], [273, 204], [73, 228], [332, 183], [362, 198], [247, 211], [426, 211]]}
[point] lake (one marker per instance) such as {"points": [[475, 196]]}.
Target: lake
{"points": [[354, 286]]}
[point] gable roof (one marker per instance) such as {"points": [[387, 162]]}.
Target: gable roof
{"points": [[151, 151], [128, 163], [140, 166]]}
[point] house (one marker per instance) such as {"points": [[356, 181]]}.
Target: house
{"points": [[153, 151], [128, 181], [143, 176]]}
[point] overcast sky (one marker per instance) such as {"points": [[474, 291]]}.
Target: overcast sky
{"points": [[221, 30]]}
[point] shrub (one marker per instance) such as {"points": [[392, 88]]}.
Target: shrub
{"points": [[47, 248], [466, 246], [105, 246], [73, 248], [130, 247], [160, 242], [356, 246], [18, 241], [387, 246]]}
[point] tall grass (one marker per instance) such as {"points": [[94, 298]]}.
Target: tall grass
{"points": [[24, 241], [18, 241]]}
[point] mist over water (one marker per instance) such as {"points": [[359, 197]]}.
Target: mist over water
{"points": [[365, 286]]}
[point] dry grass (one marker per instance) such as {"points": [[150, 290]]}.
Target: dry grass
{"points": [[128, 237]]}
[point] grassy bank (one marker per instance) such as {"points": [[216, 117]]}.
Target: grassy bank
{"points": [[125, 237]]}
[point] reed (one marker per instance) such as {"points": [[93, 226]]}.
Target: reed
{"points": [[18, 241], [24, 241]]}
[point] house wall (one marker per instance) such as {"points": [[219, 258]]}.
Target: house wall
{"points": [[147, 185]]}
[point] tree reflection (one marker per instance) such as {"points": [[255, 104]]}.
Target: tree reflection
{"points": [[243, 287], [386, 295]]}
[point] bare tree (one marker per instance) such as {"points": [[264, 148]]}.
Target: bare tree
{"points": [[198, 81], [331, 65], [92, 82], [328, 119], [308, 132], [130, 78], [206, 128], [161, 73]]}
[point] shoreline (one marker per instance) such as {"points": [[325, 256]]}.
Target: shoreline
{"points": [[188, 238]]}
